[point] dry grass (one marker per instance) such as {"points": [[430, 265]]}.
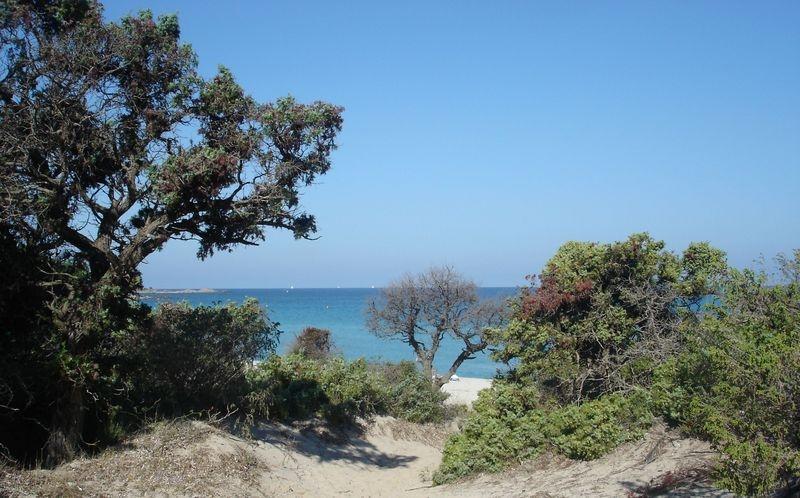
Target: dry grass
{"points": [[174, 458]]}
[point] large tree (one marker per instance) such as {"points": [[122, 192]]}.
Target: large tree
{"points": [[112, 144], [422, 310]]}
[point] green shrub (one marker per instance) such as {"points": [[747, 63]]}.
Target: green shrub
{"points": [[737, 383], [195, 358], [601, 317], [511, 424], [297, 387], [410, 395], [590, 430]]}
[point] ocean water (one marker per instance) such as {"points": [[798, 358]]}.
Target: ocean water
{"points": [[342, 311]]}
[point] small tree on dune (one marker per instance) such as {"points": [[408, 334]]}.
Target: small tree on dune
{"points": [[313, 343], [421, 310]]}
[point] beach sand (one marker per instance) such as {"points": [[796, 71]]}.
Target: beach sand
{"points": [[386, 457], [465, 390]]}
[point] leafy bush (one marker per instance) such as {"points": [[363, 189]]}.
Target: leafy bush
{"points": [[410, 395], [296, 387], [195, 358], [737, 382], [314, 343], [511, 423], [604, 315]]}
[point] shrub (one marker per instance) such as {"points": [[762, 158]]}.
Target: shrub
{"points": [[313, 343], [195, 358], [410, 395], [511, 423], [297, 387], [603, 316], [737, 383]]}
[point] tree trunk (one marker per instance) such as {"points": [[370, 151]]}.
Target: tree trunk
{"points": [[66, 427], [462, 356], [427, 368]]}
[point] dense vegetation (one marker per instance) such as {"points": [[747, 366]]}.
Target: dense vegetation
{"points": [[194, 359], [296, 387], [97, 174], [737, 382], [614, 335]]}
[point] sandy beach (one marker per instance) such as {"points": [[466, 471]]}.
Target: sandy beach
{"points": [[464, 391]]}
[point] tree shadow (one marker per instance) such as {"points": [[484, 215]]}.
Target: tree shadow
{"points": [[684, 483], [329, 443]]}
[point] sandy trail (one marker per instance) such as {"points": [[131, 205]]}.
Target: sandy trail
{"points": [[374, 463]]}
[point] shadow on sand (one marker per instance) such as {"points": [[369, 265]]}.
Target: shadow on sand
{"points": [[326, 444]]}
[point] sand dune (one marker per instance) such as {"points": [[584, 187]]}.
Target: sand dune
{"points": [[386, 457]]}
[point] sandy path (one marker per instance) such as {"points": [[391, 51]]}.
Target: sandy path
{"points": [[371, 464]]}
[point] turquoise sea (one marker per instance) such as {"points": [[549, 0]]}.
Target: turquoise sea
{"points": [[342, 311]]}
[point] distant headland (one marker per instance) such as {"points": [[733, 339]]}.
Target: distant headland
{"points": [[204, 290]]}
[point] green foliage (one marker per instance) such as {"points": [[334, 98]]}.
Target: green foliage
{"points": [[409, 394], [703, 267], [195, 358], [604, 315], [511, 424], [583, 344], [297, 387], [589, 430], [737, 382]]}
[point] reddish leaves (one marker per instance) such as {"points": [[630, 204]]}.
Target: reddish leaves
{"points": [[548, 298]]}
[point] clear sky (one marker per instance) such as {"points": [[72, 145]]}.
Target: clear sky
{"points": [[485, 134]]}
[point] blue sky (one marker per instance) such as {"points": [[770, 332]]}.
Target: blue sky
{"points": [[485, 134]]}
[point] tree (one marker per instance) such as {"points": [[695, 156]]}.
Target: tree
{"points": [[313, 343], [601, 317], [421, 310], [112, 144]]}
